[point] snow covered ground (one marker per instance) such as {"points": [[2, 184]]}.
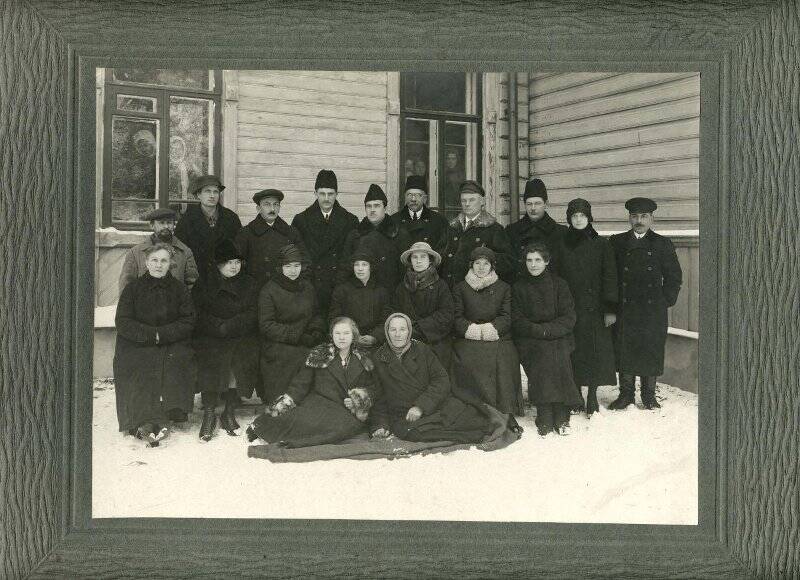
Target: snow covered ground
{"points": [[631, 466]]}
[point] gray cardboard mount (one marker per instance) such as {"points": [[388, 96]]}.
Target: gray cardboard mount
{"points": [[747, 53]]}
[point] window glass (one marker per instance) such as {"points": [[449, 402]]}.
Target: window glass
{"points": [[191, 130], [134, 158], [417, 148], [435, 91], [190, 79], [137, 104], [455, 155]]}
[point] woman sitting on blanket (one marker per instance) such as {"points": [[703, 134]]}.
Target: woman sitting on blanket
{"points": [[328, 400], [416, 403]]}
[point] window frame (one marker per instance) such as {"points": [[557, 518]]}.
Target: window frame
{"points": [[474, 96], [162, 94]]}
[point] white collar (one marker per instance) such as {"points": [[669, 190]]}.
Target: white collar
{"points": [[639, 236], [414, 214]]}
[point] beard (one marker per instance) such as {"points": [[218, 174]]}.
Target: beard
{"points": [[164, 235]]}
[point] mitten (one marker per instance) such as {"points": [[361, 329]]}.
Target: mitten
{"points": [[473, 332], [489, 332]]}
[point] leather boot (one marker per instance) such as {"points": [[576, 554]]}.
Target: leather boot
{"points": [[649, 401], [592, 406], [209, 424], [627, 392], [228, 420]]}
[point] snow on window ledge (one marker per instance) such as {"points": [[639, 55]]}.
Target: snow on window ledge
{"points": [[684, 333]]}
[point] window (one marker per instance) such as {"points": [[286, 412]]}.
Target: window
{"points": [[440, 133], [161, 128]]}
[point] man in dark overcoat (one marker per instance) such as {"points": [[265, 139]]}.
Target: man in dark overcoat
{"points": [[261, 240], [378, 234], [323, 227], [206, 224], [649, 278], [421, 222], [472, 228], [535, 226]]}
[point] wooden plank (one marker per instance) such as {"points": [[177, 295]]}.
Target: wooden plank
{"points": [[311, 135], [605, 87], [683, 149], [686, 189], [667, 211], [310, 96], [309, 159], [340, 75], [620, 225], [617, 139], [289, 146], [375, 87], [318, 110], [663, 93], [648, 172], [303, 121], [249, 185], [267, 171], [561, 81], [687, 108]]}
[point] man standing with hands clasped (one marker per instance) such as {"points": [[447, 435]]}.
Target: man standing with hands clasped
{"points": [[649, 278]]}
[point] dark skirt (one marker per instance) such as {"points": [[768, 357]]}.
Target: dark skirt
{"points": [[279, 363], [444, 352], [492, 369], [455, 421], [218, 358], [316, 421]]}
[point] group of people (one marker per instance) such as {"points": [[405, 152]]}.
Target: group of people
{"points": [[404, 324]]}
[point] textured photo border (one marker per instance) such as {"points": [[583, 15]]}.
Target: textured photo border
{"points": [[744, 53]]}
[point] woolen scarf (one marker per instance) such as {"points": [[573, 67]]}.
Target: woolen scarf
{"points": [[573, 237], [420, 280], [287, 284], [398, 351], [477, 283]]}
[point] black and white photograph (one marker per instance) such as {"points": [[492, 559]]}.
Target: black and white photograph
{"points": [[366, 295]]}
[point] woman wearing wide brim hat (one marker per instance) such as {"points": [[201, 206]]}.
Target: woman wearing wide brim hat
{"points": [[426, 299]]}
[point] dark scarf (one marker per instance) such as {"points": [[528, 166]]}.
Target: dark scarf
{"points": [[387, 227], [153, 282], [420, 280], [288, 285], [574, 237]]}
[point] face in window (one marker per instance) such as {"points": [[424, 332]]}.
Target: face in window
{"points": [[535, 207], [579, 220], [641, 222], [409, 166], [362, 269], [164, 229], [482, 267], [415, 199], [472, 204], [269, 208], [145, 143], [208, 196], [158, 263], [291, 270], [342, 335], [376, 211], [420, 261], [230, 268], [419, 167], [326, 196], [451, 161], [535, 263]]}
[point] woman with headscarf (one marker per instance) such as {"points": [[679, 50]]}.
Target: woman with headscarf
{"points": [[328, 400], [586, 262], [289, 323], [226, 338], [427, 301], [363, 300], [416, 403], [154, 366], [483, 348]]}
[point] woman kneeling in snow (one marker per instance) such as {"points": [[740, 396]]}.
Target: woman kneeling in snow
{"points": [[328, 400], [416, 403]]}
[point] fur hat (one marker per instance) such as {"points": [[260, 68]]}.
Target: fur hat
{"points": [[290, 253], [483, 252], [579, 205], [416, 182], [363, 255], [535, 188], [327, 179], [375, 193], [226, 250]]}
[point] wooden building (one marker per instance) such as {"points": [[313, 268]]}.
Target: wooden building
{"points": [[605, 137]]}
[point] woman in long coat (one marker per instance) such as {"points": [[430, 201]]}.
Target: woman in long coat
{"points": [[542, 319], [289, 323], [364, 300], [416, 403], [328, 400], [586, 262], [154, 366], [427, 300], [226, 338], [483, 347]]}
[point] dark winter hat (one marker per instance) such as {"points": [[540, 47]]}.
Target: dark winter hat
{"points": [[289, 253], [579, 205], [416, 182], [276, 193], [375, 193], [535, 188], [162, 213], [226, 250], [327, 179], [471, 186], [199, 183], [641, 205], [483, 252], [364, 255]]}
